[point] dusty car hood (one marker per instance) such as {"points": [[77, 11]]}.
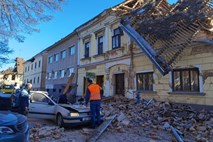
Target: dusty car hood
{"points": [[79, 108], [7, 119]]}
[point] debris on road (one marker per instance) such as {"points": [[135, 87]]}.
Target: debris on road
{"points": [[39, 132], [156, 115], [97, 133], [135, 121]]}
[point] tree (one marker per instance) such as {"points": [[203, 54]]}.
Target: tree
{"points": [[4, 52], [19, 17]]}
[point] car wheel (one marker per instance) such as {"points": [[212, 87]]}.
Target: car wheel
{"points": [[59, 120]]}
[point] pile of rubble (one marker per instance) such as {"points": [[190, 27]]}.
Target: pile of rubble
{"points": [[41, 132], [159, 115]]}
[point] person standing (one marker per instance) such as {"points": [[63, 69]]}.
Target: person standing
{"points": [[94, 94], [24, 99]]}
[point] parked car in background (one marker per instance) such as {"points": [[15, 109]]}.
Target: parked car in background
{"points": [[8, 89], [13, 127], [42, 106]]}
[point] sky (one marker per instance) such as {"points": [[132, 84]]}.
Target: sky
{"points": [[74, 13]]}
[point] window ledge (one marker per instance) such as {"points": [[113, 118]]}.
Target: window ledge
{"points": [[98, 55], [188, 93], [88, 58], [148, 92]]}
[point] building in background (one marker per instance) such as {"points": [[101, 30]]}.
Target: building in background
{"points": [[14, 75], [61, 63], [35, 71]]}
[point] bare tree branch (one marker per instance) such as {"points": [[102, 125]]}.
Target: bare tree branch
{"points": [[18, 17]]}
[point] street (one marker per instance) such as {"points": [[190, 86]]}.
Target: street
{"points": [[134, 122]]}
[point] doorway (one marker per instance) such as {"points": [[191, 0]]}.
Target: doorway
{"points": [[100, 80], [119, 84]]}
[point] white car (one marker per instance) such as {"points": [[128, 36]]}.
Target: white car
{"points": [[42, 106]]}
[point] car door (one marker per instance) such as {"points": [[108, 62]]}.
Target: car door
{"points": [[41, 106]]}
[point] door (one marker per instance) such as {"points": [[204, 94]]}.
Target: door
{"points": [[119, 84], [41, 106], [100, 80]]}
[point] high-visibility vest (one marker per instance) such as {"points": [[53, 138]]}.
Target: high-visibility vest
{"points": [[94, 92]]}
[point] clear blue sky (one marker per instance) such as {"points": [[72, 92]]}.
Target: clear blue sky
{"points": [[74, 13]]}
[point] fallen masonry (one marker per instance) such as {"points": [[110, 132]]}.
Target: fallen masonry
{"points": [[144, 121], [38, 132], [156, 115]]}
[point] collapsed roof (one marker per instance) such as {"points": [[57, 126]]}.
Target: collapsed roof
{"points": [[162, 30]]}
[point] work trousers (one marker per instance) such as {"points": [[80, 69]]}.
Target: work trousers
{"points": [[95, 107], [23, 105]]}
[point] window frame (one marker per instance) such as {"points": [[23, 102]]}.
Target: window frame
{"points": [[55, 75], [181, 79], [152, 81], [86, 49], [35, 66], [63, 54], [38, 80], [69, 70], [72, 50], [100, 45], [39, 63], [56, 57], [117, 33], [62, 72], [32, 66], [49, 74], [50, 59]]}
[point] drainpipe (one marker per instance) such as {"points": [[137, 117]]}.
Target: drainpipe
{"points": [[78, 58], [107, 82]]}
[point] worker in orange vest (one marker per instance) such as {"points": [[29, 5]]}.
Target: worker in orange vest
{"points": [[94, 94]]}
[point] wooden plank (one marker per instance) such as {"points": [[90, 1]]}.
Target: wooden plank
{"points": [[99, 131], [151, 53], [69, 83]]}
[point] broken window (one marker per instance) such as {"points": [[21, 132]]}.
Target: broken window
{"points": [[185, 80], [86, 50], [145, 81], [100, 45], [116, 38]]}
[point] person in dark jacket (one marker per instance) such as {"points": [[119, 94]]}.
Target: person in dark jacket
{"points": [[24, 99], [94, 94]]}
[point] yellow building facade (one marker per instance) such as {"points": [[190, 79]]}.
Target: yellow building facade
{"points": [[103, 54], [115, 62]]}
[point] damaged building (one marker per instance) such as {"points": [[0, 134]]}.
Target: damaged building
{"points": [[164, 51], [172, 48]]}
